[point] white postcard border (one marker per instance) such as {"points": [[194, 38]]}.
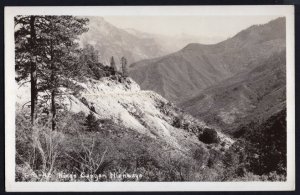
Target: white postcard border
{"points": [[10, 91]]}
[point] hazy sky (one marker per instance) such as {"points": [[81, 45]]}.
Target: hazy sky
{"points": [[207, 26]]}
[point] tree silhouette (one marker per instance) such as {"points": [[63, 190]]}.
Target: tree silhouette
{"points": [[46, 50], [63, 33], [124, 67], [113, 64], [26, 54], [91, 122]]}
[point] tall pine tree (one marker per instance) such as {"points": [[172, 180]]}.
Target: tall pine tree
{"points": [[124, 67], [46, 54], [63, 32], [26, 54], [113, 64]]}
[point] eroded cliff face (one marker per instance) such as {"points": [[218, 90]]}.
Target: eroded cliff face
{"points": [[145, 112]]}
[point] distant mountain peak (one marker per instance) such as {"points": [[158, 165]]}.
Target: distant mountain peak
{"points": [[271, 30], [110, 40], [198, 66], [193, 46]]}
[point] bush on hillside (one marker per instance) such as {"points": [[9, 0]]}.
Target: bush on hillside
{"points": [[201, 155], [234, 161], [178, 122], [182, 122], [209, 136], [91, 122], [266, 137], [37, 149]]}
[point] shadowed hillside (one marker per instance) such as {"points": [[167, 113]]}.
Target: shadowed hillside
{"points": [[185, 73], [254, 94]]}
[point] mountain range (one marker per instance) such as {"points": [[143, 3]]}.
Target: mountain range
{"points": [[135, 45], [228, 84], [253, 95], [112, 41], [183, 74]]}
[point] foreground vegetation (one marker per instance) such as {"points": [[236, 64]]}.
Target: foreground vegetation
{"points": [[80, 148]]}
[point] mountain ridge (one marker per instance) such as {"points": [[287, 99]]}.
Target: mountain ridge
{"points": [[112, 41], [251, 95], [198, 66]]}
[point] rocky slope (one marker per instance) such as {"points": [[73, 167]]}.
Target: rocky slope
{"points": [[144, 112], [185, 73]]}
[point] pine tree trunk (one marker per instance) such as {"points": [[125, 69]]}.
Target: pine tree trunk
{"points": [[53, 88], [33, 79], [53, 110]]}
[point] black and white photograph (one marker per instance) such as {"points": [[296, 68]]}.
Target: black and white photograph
{"points": [[182, 95]]}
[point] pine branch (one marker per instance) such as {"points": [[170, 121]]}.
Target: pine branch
{"points": [[23, 84], [25, 104]]}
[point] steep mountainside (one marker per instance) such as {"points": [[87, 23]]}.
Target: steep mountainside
{"points": [[185, 73], [135, 45], [112, 41], [145, 113], [254, 94]]}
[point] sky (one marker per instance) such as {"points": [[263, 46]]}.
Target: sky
{"points": [[206, 26]]}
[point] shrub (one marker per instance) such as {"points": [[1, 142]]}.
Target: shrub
{"points": [[201, 155], [181, 122], [209, 136], [234, 161], [91, 122], [71, 123], [266, 137], [215, 158], [89, 159], [178, 122], [37, 149]]}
